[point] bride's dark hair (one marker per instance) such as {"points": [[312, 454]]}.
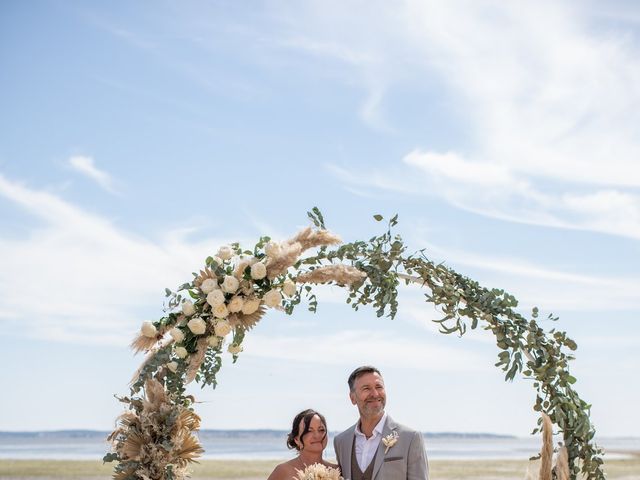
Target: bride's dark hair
{"points": [[305, 417]]}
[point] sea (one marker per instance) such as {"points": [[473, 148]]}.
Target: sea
{"points": [[270, 444]]}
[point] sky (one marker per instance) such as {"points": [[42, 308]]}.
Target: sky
{"points": [[138, 137]]}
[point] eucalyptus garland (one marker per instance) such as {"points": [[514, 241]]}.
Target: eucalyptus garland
{"points": [[226, 299]]}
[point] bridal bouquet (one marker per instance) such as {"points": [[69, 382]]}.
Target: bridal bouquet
{"points": [[317, 471]]}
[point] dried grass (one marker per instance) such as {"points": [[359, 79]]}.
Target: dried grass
{"points": [[341, 274]]}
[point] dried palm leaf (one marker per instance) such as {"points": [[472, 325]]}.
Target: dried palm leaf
{"points": [[251, 320], [187, 420], [546, 456], [341, 274], [144, 344], [155, 395], [562, 465], [131, 448], [309, 238], [196, 360], [187, 448], [204, 274]]}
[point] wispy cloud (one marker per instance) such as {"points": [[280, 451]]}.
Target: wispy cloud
{"points": [[86, 166], [78, 277]]}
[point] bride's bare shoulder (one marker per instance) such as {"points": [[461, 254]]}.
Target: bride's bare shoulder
{"points": [[284, 471]]}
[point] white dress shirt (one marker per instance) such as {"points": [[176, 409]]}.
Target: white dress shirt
{"points": [[366, 447]]}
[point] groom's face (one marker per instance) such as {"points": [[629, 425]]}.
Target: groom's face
{"points": [[369, 394]]}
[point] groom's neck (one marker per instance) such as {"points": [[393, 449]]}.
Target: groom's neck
{"points": [[367, 424]]}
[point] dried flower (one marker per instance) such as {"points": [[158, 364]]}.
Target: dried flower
{"points": [[272, 249], [197, 326], [390, 440], [148, 329], [317, 471]]}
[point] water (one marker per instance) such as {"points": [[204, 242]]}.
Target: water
{"points": [[254, 445]]}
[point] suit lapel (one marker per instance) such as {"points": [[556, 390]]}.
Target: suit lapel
{"points": [[389, 426], [347, 451]]}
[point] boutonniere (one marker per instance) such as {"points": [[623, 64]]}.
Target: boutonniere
{"points": [[390, 440]]}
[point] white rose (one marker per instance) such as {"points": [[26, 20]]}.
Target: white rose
{"points": [[288, 288], [272, 249], [222, 328], [148, 329], [220, 311], [197, 326], [272, 298], [215, 298], [187, 308], [181, 352], [251, 305], [258, 271], [230, 284], [225, 252], [173, 366], [209, 285], [234, 349], [235, 305], [176, 334], [213, 341]]}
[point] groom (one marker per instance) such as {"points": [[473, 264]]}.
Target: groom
{"points": [[376, 447]]}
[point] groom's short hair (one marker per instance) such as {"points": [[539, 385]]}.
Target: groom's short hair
{"points": [[360, 371]]}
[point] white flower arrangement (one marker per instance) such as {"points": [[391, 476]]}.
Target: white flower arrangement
{"points": [[230, 284], [317, 471], [181, 352], [215, 298], [222, 328], [390, 440], [258, 271], [176, 334], [272, 298], [187, 308], [234, 349], [208, 286], [225, 252]]}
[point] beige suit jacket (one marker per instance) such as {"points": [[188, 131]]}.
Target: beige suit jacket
{"points": [[406, 460]]}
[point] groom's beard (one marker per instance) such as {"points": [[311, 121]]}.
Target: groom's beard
{"points": [[373, 408]]}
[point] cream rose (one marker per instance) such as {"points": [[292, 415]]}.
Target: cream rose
{"points": [[235, 305], [225, 252], [220, 311], [213, 341], [197, 326], [230, 284], [289, 288], [148, 329], [176, 334], [215, 298], [251, 305], [272, 298], [234, 349], [181, 352], [222, 328], [173, 366], [272, 249], [209, 285], [188, 308], [258, 271]]}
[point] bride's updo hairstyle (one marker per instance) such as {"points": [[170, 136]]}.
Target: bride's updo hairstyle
{"points": [[303, 417]]}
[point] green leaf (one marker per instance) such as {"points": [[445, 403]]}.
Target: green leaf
{"points": [[378, 217]]}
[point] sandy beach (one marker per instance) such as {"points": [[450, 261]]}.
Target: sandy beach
{"points": [[628, 469]]}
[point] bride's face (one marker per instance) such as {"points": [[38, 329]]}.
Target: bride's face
{"points": [[315, 440]]}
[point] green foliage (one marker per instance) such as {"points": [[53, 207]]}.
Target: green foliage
{"points": [[524, 347]]}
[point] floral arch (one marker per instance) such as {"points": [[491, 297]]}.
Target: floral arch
{"points": [[155, 436]]}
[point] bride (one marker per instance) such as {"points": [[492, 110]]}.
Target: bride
{"points": [[309, 437]]}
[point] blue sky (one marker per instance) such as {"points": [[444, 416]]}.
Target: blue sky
{"points": [[138, 137]]}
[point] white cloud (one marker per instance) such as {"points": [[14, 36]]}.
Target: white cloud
{"points": [[77, 277], [86, 166]]}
